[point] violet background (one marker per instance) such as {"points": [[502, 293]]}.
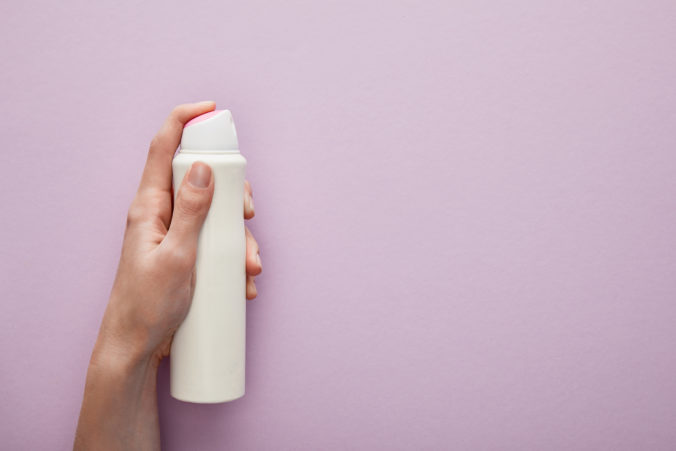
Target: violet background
{"points": [[466, 211]]}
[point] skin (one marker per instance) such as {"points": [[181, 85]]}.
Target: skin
{"points": [[151, 295]]}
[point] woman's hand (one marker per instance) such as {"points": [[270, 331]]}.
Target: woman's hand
{"points": [[155, 280], [151, 294]]}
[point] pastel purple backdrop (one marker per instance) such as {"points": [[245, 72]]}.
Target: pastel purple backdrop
{"points": [[466, 212]]}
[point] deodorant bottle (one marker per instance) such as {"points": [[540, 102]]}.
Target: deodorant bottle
{"points": [[207, 353]]}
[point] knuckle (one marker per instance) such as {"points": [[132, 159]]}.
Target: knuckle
{"points": [[135, 214], [177, 112], [155, 141], [153, 201], [192, 204]]}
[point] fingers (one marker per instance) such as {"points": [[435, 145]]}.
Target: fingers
{"points": [[253, 264], [157, 172], [190, 209], [248, 201], [253, 257], [251, 290]]}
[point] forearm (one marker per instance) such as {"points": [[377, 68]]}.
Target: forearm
{"points": [[119, 409]]}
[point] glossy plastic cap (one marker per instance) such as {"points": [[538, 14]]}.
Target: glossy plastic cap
{"points": [[210, 132]]}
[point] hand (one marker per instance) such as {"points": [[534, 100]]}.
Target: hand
{"points": [[155, 280], [151, 294]]}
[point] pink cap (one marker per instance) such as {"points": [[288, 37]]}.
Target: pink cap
{"points": [[202, 117], [210, 132]]}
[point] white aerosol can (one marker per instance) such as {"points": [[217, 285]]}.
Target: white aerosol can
{"points": [[207, 353]]}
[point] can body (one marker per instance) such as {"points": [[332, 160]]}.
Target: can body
{"points": [[208, 350]]}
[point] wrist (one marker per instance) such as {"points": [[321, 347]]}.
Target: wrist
{"points": [[117, 357], [121, 341], [120, 401], [123, 375]]}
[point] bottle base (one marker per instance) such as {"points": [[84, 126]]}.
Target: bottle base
{"points": [[206, 400]]}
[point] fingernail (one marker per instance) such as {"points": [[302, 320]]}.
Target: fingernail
{"points": [[200, 175], [258, 260], [251, 205]]}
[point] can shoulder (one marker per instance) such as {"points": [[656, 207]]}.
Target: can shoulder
{"points": [[234, 159]]}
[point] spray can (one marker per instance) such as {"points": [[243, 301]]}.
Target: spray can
{"points": [[208, 349]]}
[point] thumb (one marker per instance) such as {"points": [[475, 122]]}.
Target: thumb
{"points": [[191, 207]]}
